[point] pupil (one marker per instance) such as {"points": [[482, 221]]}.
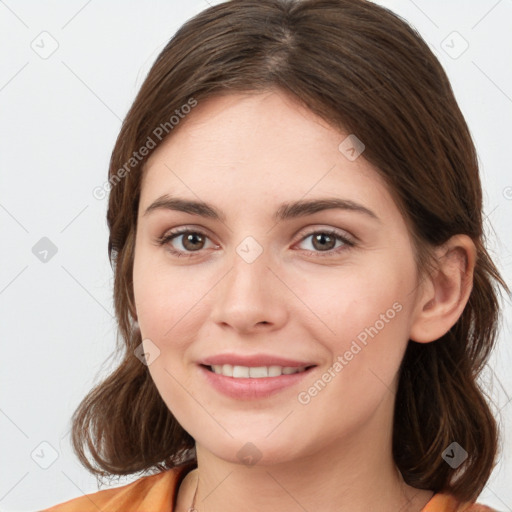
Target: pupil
{"points": [[320, 237], [190, 239]]}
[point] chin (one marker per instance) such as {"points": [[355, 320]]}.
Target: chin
{"points": [[253, 447]]}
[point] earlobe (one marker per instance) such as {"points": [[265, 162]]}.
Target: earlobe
{"points": [[443, 298]]}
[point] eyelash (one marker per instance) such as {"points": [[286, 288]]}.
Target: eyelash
{"points": [[168, 237]]}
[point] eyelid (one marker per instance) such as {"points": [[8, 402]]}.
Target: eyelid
{"points": [[311, 230]]}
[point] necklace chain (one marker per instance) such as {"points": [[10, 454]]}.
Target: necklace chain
{"points": [[192, 507]]}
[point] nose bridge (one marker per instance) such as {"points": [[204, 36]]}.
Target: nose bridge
{"points": [[249, 293], [247, 283]]}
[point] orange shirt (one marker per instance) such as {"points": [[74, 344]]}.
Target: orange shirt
{"points": [[157, 493]]}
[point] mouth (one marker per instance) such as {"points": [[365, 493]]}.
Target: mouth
{"points": [[247, 383], [254, 372]]}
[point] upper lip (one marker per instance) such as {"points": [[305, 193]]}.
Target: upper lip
{"points": [[253, 360]]}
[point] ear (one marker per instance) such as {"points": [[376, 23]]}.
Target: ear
{"points": [[442, 297]]}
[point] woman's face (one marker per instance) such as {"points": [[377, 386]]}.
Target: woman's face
{"points": [[258, 282]]}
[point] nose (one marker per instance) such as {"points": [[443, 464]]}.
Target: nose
{"points": [[250, 297]]}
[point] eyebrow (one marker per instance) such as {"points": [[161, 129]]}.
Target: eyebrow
{"points": [[287, 210]]}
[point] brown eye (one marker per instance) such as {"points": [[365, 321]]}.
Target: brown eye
{"points": [[192, 241], [184, 242], [323, 241]]}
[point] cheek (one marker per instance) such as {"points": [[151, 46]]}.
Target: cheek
{"points": [[364, 329], [350, 299], [164, 298], [172, 305], [165, 301], [363, 313]]}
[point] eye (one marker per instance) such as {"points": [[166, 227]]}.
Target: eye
{"points": [[323, 242], [191, 241]]}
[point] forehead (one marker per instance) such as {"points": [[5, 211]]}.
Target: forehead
{"points": [[258, 147], [234, 125]]}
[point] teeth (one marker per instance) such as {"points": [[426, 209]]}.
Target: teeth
{"points": [[240, 371], [258, 371], [274, 371], [254, 372]]}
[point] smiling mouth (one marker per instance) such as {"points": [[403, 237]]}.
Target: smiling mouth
{"points": [[254, 372]]}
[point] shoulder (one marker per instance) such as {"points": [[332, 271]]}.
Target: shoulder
{"points": [[442, 502], [154, 492]]}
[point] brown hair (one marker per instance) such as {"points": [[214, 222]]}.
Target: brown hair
{"points": [[367, 72]]}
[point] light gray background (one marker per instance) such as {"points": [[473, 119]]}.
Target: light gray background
{"points": [[59, 117]]}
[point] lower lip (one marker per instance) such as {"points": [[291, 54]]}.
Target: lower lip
{"points": [[252, 389]]}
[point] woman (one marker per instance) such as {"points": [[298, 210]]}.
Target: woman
{"points": [[301, 282]]}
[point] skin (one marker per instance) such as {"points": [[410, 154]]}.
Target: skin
{"points": [[246, 154]]}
